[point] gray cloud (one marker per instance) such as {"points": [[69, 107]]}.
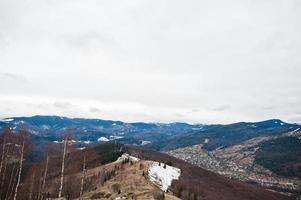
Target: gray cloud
{"points": [[94, 110], [62, 104], [147, 60], [89, 41], [5, 76], [222, 108]]}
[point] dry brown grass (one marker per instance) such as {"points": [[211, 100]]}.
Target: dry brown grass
{"points": [[129, 182]]}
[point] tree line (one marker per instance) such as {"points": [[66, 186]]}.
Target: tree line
{"points": [[60, 173]]}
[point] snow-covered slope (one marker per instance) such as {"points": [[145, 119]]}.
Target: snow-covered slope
{"points": [[162, 175]]}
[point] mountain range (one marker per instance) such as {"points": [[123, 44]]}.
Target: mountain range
{"points": [[266, 153]]}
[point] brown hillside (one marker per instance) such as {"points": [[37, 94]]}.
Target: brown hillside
{"points": [[198, 183]]}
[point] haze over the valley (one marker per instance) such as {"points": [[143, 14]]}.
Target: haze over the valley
{"points": [[148, 60]]}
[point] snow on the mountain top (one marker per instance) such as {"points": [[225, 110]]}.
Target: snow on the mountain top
{"points": [[103, 139], [163, 176]]}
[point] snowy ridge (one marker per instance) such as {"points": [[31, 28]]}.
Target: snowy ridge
{"points": [[162, 175]]}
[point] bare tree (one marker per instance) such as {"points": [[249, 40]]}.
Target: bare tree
{"points": [[5, 142], [6, 157], [83, 175], [20, 167], [44, 178], [3, 152], [13, 184], [31, 184], [63, 168], [11, 180]]}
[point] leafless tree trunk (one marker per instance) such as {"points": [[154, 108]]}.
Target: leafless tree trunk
{"points": [[3, 153], [4, 169], [83, 176], [44, 178], [31, 185], [40, 187], [63, 167], [4, 172], [14, 183], [12, 176], [20, 169]]}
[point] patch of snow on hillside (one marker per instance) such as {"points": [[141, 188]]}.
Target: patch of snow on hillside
{"points": [[103, 139], [163, 176], [113, 137], [7, 120], [87, 142], [145, 142], [127, 156], [45, 127], [19, 122]]}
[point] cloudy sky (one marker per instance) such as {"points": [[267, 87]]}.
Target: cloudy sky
{"points": [[208, 61]]}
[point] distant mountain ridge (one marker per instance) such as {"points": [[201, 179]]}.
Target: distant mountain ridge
{"points": [[90, 130], [160, 136]]}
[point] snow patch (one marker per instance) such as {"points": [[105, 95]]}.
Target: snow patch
{"points": [[163, 175], [113, 137], [145, 142], [127, 156], [87, 142], [120, 198], [7, 120], [45, 127], [103, 139]]}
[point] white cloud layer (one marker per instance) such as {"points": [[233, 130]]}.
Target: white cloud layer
{"points": [[211, 61]]}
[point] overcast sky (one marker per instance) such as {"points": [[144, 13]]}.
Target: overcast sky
{"points": [[200, 61]]}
